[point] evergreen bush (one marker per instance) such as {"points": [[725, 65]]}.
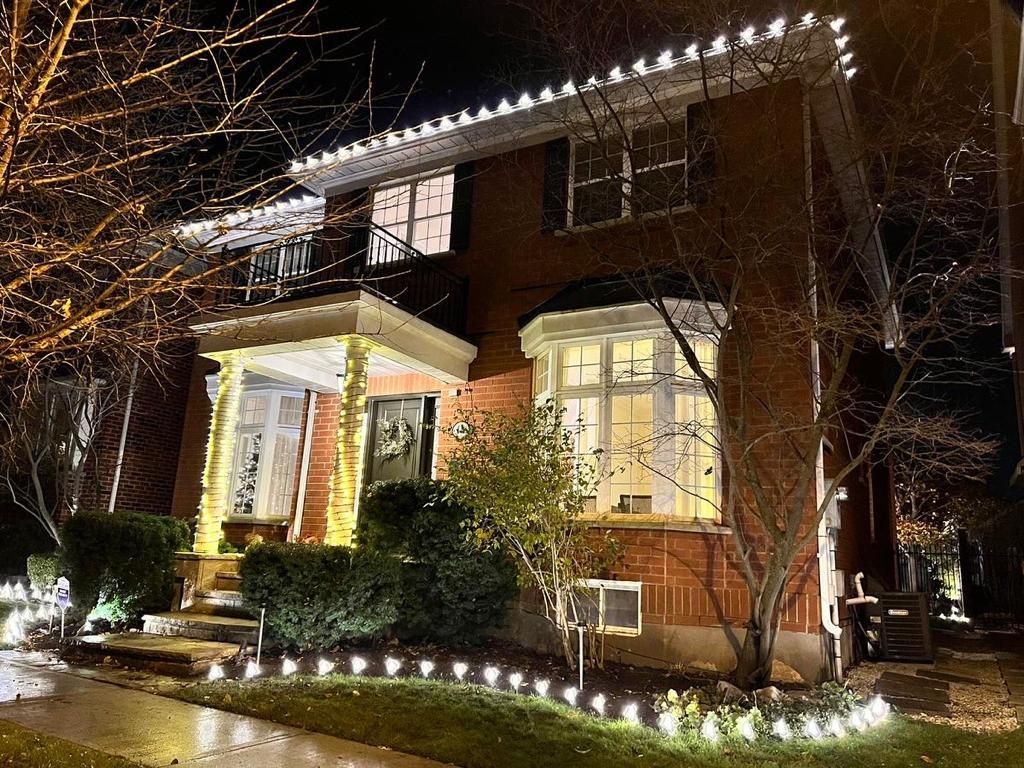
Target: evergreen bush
{"points": [[124, 560], [452, 590], [318, 596]]}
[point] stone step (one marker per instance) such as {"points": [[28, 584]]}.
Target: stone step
{"points": [[919, 706], [921, 693], [228, 581], [202, 626], [947, 677], [159, 653], [220, 602], [914, 681]]}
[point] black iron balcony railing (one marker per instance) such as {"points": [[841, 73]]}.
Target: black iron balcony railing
{"points": [[376, 261]]}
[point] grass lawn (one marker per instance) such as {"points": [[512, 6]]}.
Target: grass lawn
{"points": [[473, 727], [29, 749]]}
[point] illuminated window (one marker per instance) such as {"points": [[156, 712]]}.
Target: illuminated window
{"points": [[266, 456], [632, 422], [633, 360], [417, 212], [581, 365], [641, 420], [541, 374]]}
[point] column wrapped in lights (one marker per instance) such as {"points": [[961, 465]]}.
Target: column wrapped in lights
{"points": [[220, 454], [348, 449]]}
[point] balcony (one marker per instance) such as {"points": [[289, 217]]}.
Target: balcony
{"points": [[377, 262]]}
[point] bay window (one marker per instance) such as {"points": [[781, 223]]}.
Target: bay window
{"points": [[634, 397], [263, 479]]}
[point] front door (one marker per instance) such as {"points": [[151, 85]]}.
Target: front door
{"points": [[401, 436]]}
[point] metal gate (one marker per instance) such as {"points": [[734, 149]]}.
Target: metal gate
{"points": [[980, 581]]}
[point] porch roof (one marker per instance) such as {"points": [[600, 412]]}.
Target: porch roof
{"points": [[298, 341]]}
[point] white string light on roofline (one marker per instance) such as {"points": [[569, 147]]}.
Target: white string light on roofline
{"points": [[233, 219], [861, 718], [748, 36]]}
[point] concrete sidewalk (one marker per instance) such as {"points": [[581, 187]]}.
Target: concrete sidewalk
{"points": [[157, 731]]}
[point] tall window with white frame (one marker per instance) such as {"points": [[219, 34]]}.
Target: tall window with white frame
{"points": [[416, 211], [635, 398], [267, 453]]}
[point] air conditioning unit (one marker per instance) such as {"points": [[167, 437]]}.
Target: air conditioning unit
{"points": [[906, 633]]}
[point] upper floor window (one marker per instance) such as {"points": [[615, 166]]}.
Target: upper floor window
{"points": [[613, 177], [636, 399], [418, 211]]}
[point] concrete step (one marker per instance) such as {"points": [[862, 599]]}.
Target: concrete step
{"points": [[228, 581], [201, 626], [220, 602], [159, 653]]}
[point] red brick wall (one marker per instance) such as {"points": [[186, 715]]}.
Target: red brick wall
{"points": [[152, 443]]}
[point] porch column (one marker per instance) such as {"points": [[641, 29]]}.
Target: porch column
{"points": [[220, 454], [348, 447]]}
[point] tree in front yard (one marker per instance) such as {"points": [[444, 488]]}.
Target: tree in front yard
{"points": [[119, 122], [529, 487]]}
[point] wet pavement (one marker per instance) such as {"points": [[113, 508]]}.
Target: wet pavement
{"points": [[157, 731]]}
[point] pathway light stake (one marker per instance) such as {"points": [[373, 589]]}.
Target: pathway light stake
{"points": [[358, 665], [631, 713], [541, 686], [392, 666], [746, 728], [259, 640], [216, 673], [598, 703], [668, 724], [324, 667], [460, 668], [515, 680], [570, 695], [288, 667], [426, 667], [491, 675]]}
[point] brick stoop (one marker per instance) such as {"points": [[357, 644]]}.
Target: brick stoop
{"points": [[202, 626], [158, 653]]}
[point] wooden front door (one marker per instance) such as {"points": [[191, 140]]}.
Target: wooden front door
{"points": [[419, 413]]}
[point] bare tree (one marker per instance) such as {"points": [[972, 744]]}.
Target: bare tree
{"points": [[119, 123], [831, 272]]}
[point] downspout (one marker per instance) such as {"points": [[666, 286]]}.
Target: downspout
{"points": [[116, 482], [307, 447], [829, 613]]}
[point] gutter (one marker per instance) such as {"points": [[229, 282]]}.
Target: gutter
{"points": [[828, 610], [115, 484]]}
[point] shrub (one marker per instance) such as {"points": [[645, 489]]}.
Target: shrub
{"points": [[124, 560], [318, 596], [452, 590], [43, 569]]}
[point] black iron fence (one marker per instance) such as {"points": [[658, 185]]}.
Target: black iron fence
{"points": [[982, 582], [374, 261]]}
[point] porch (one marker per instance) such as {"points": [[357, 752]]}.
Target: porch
{"points": [[301, 392]]}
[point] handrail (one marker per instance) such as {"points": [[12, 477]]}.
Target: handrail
{"points": [[376, 261]]}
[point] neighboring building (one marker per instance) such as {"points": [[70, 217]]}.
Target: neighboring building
{"points": [[471, 282]]}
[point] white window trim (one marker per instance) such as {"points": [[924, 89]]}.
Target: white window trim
{"points": [[624, 586], [626, 214], [412, 182], [590, 327], [268, 445]]}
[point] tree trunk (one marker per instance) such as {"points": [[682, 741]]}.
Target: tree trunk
{"points": [[754, 662]]}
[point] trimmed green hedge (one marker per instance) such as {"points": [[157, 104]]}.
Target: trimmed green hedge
{"points": [[452, 591], [319, 596], [124, 560]]}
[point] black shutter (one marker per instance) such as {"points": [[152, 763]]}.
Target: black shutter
{"points": [[700, 152], [462, 206], [555, 212], [358, 231]]}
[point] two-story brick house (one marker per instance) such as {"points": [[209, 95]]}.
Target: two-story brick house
{"points": [[465, 276]]}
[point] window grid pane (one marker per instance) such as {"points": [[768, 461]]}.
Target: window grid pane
{"points": [[433, 214], [581, 365], [290, 411], [707, 355], [541, 369], [254, 411], [582, 421], [632, 360], [697, 458], [632, 431], [282, 475]]}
